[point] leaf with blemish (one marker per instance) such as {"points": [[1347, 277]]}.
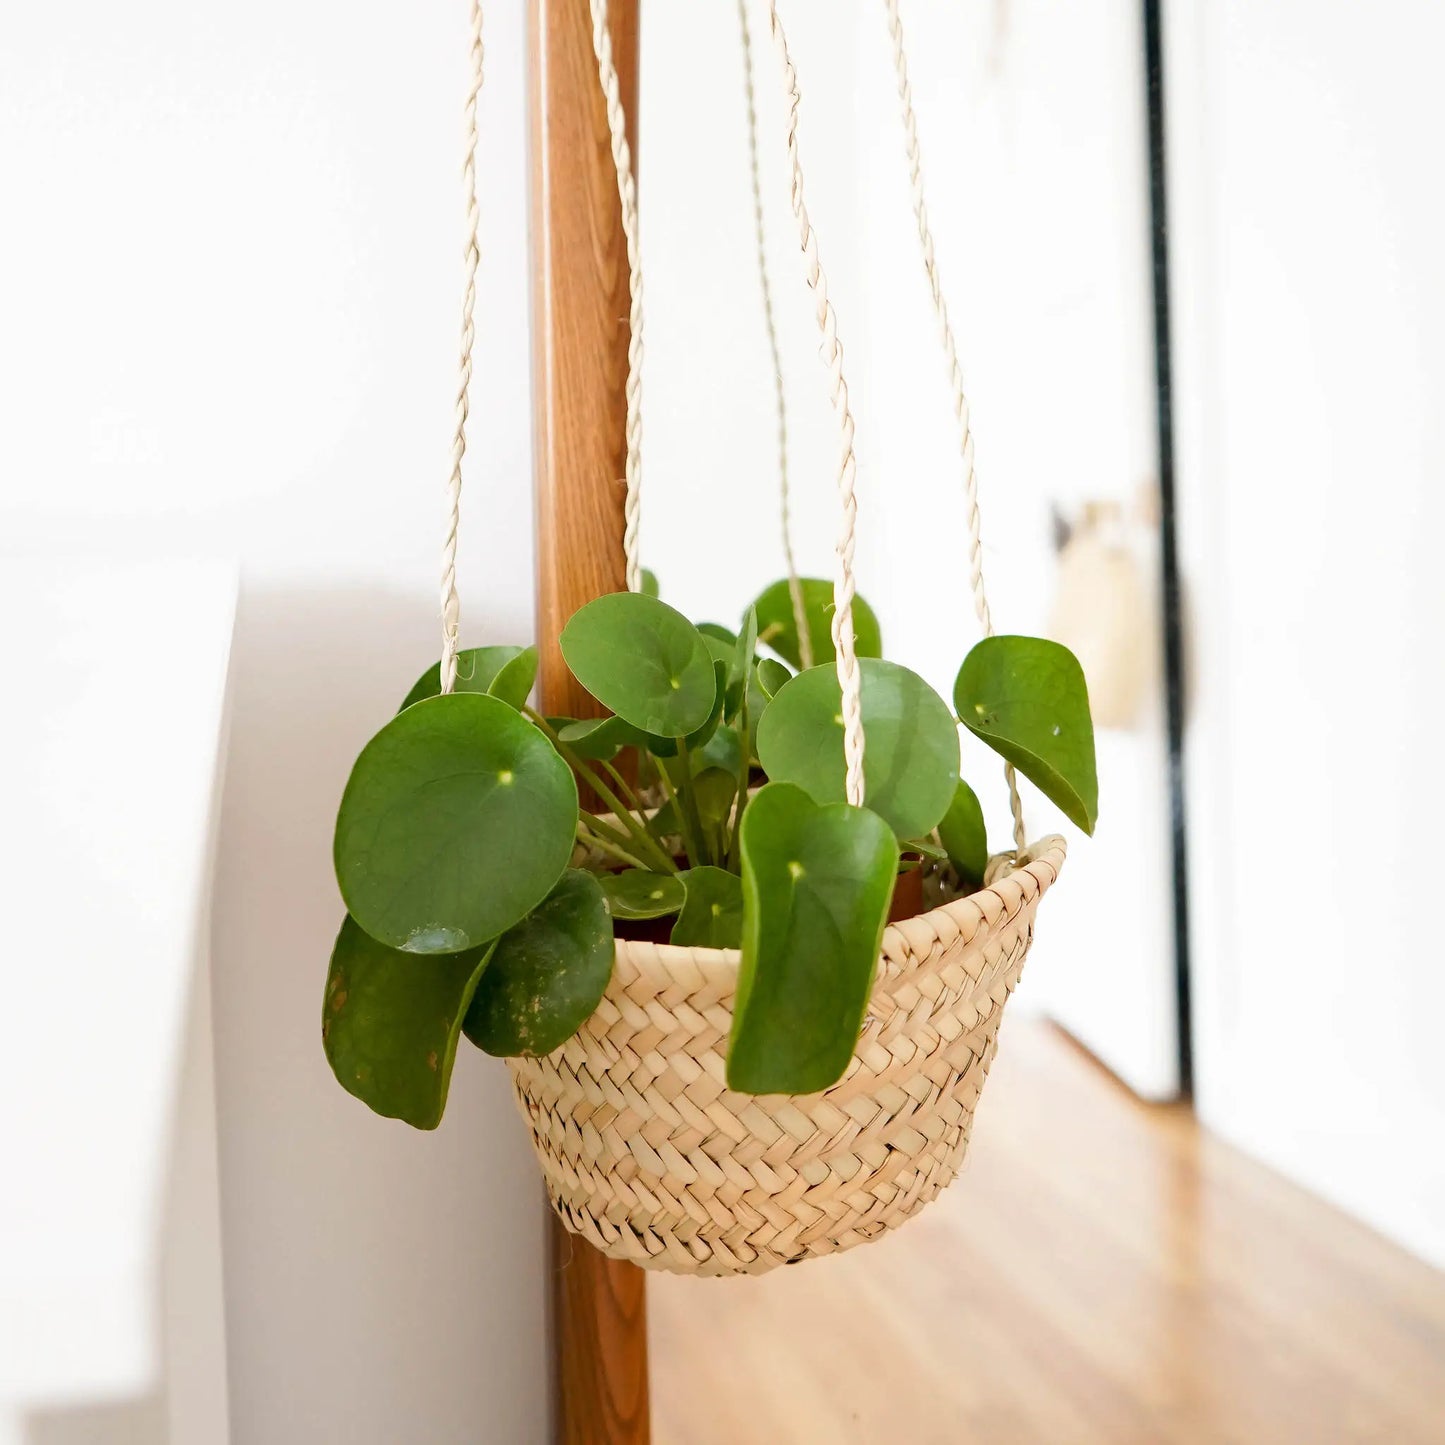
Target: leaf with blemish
{"points": [[1027, 699], [390, 1021], [548, 973]]}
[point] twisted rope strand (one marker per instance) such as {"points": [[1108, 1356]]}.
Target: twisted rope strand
{"points": [[795, 586], [844, 589], [627, 195], [450, 606], [955, 370]]}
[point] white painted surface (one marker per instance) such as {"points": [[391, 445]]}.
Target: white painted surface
{"points": [[110, 765], [1307, 233], [230, 306]]}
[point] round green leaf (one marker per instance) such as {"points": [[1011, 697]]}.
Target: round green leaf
{"points": [[910, 759], [457, 819], [712, 916], [514, 680], [644, 661], [1027, 699], [636, 893], [390, 1022], [548, 973], [963, 834], [770, 675], [505, 672], [817, 882], [778, 629], [650, 587], [602, 737]]}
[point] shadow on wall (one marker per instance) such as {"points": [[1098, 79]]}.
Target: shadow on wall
{"points": [[368, 1266], [127, 1422]]}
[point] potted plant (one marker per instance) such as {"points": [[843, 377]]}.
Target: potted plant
{"points": [[501, 870]]}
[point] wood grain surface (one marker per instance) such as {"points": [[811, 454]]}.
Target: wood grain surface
{"points": [[580, 338], [1104, 1272], [579, 325]]}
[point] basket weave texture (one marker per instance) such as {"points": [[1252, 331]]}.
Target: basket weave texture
{"points": [[651, 1158]]}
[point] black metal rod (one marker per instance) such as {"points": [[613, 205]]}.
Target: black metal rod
{"points": [[1169, 555]]}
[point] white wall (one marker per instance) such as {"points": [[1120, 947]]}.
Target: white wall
{"points": [[1307, 234], [229, 282], [710, 512]]}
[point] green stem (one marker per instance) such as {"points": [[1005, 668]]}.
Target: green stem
{"points": [[605, 829], [594, 781], [673, 795], [633, 801], [591, 840], [699, 854], [732, 855]]}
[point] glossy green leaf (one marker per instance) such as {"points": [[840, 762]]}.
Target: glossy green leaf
{"points": [[926, 848], [722, 750], [636, 893], [665, 747], [720, 648], [390, 1021], [715, 790], [650, 586], [698, 737], [515, 679], [778, 630], [817, 882], [771, 675], [504, 672], [642, 660], [664, 822], [964, 836], [1027, 699], [910, 761], [712, 916], [718, 633], [548, 972], [457, 819], [601, 737], [740, 665]]}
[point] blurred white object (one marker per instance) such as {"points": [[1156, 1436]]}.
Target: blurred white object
{"points": [[111, 1321], [1106, 610]]}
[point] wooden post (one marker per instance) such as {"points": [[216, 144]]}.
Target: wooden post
{"points": [[579, 348]]}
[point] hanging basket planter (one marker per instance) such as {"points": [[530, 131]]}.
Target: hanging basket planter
{"points": [[740, 939], [649, 1156]]}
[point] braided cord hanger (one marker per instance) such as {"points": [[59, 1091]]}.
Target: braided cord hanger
{"points": [[844, 589], [955, 372], [450, 607], [795, 586], [627, 195]]}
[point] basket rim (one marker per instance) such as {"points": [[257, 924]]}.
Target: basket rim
{"points": [[967, 917]]}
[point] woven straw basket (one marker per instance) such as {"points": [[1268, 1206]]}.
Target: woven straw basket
{"points": [[650, 1157]]}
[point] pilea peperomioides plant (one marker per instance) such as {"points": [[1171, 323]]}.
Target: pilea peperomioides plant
{"points": [[486, 853]]}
